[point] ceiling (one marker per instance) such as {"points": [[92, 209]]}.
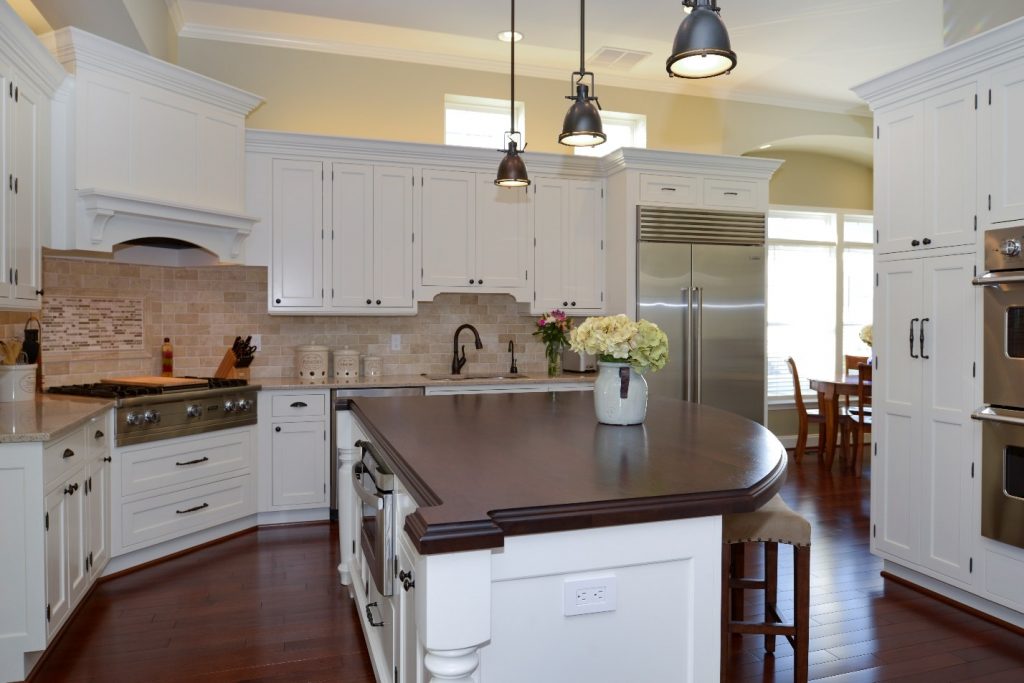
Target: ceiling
{"points": [[804, 53]]}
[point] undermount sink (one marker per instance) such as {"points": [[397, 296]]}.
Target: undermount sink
{"points": [[476, 376]]}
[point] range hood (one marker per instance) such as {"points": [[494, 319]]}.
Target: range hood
{"points": [[144, 149]]}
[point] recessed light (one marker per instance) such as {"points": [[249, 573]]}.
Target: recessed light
{"points": [[509, 36], [764, 146]]}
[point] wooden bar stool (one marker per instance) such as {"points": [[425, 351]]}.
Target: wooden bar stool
{"points": [[770, 525]]}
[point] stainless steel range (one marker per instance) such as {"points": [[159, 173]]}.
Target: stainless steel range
{"points": [[151, 413]]}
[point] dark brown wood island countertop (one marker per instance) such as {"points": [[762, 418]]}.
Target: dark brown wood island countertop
{"points": [[481, 467]]}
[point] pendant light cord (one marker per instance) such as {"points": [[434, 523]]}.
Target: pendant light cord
{"points": [[582, 70], [512, 102]]}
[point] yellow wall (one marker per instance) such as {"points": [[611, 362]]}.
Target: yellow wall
{"points": [[330, 94], [808, 179]]}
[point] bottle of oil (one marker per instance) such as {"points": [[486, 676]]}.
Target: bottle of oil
{"points": [[167, 358]]}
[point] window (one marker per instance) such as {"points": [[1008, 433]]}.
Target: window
{"points": [[623, 130], [820, 288], [479, 121]]}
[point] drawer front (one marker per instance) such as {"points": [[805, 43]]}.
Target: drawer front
{"points": [[679, 190], [730, 194], [160, 518], [187, 460], [97, 437], [63, 456], [298, 405]]}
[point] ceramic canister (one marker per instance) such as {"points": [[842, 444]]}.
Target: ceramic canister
{"points": [[311, 364], [373, 366], [346, 363]]}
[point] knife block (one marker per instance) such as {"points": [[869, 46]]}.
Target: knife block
{"points": [[227, 369]]}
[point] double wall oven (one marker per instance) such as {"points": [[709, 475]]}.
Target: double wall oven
{"points": [[1002, 460]]}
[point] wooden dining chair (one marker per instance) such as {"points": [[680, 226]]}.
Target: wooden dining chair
{"points": [[858, 420], [851, 363], [805, 416]]}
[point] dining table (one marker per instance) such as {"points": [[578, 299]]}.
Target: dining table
{"points": [[830, 392]]}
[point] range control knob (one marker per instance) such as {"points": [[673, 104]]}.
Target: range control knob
{"points": [[194, 410], [229, 406], [134, 418], [1010, 248], [151, 416], [243, 405]]}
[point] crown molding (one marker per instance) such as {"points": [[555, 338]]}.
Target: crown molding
{"points": [[960, 61], [757, 168], [673, 86], [77, 49], [26, 53]]}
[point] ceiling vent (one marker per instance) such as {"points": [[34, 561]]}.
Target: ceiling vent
{"points": [[617, 58]]}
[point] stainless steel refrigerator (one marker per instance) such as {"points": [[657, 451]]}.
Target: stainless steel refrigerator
{"points": [[701, 279]]}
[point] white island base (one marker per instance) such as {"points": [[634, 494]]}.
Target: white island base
{"points": [[497, 616]]}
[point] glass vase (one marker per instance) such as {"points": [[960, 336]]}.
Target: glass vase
{"points": [[553, 352]]}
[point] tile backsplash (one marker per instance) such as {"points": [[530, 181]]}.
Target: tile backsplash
{"points": [[102, 318]]}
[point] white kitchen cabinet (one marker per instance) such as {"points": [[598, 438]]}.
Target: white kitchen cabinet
{"points": [[926, 172], [569, 256], [297, 261], [294, 450], [1002, 153], [476, 235], [58, 596], [409, 650], [924, 391], [371, 239], [97, 477]]}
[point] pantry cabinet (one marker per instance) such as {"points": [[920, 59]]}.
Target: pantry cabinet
{"points": [[569, 256], [1002, 150]]}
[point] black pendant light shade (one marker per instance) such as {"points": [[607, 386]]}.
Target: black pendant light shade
{"points": [[582, 126], [512, 169], [701, 48]]}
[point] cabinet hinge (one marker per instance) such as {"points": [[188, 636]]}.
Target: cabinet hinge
{"points": [[332, 174], [990, 202], [602, 245], [332, 234], [325, 435], [396, 674], [970, 565], [332, 292], [974, 369], [876, 237], [421, 272], [535, 296], [876, 448], [975, 100], [321, 233], [975, 224], [972, 470], [47, 612], [975, 271], [602, 296], [878, 132], [526, 275], [990, 97], [321, 292], [46, 522], [602, 193], [874, 530], [534, 241], [321, 174], [325, 488], [353, 547], [878, 363], [414, 238]]}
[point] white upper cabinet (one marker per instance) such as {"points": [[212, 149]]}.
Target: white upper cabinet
{"points": [[569, 257], [503, 235], [393, 221], [353, 243], [297, 267], [1003, 146]]}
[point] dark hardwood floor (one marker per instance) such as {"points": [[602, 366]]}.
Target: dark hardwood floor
{"points": [[266, 607]]}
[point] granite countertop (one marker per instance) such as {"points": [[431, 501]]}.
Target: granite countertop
{"points": [[46, 417], [482, 467], [392, 381]]}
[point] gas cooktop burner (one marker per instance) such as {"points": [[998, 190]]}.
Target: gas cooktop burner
{"points": [[116, 390]]}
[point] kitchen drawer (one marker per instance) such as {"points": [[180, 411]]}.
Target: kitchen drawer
{"points": [[730, 194], [160, 518], [63, 456], [298, 405], [186, 460], [667, 189], [97, 437]]}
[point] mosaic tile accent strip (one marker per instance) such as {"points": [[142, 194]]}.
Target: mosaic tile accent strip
{"points": [[93, 324]]}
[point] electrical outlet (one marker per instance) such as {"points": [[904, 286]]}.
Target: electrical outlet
{"points": [[396, 342], [256, 342], [589, 595]]}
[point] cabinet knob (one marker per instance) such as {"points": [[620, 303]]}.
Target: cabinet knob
{"points": [[926, 241], [480, 282], [277, 301], [98, 434], [565, 303], [472, 282], [573, 303], [915, 243], [378, 302], [68, 453], [277, 429]]}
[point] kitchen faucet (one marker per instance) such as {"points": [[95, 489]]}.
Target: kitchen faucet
{"points": [[458, 362], [512, 349]]}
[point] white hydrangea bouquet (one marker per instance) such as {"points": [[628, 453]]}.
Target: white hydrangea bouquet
{"points": [[617, 339], [866, 335]]}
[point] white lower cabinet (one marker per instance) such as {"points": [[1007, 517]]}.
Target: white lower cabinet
{"points": [[409, 650], [294, 450], [925, 444]]}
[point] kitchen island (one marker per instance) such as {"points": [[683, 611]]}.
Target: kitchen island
{"points": [[535, 544]]}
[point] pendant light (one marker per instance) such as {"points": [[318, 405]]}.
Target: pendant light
{"points": [[582, 126], [512, 169], [701, 48]]}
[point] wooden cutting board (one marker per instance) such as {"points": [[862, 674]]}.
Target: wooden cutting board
{"points": [[165, 382]]}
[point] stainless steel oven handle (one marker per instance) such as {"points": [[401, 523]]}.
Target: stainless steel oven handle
{"points": [[993, 279], [373, 500], [990, 415]]}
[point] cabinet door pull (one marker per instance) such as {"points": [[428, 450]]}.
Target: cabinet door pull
{"points": [[299, 404], [68, 453], [912, 323], [192, 462], [921, 338], [731, 194], [668, 189], [370, 618], [108, 459], [98, 434], [195, 509]]}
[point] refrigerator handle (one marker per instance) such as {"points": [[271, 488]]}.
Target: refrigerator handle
{"points": [[687, 365], [698, 340]]}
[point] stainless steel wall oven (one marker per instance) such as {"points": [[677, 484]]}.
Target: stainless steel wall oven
{"points": [[374, 483], [1002, 461]]}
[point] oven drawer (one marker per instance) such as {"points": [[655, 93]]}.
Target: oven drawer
{"points": [[185, 460], [160, 518], [64, 455], [298, 405]]}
